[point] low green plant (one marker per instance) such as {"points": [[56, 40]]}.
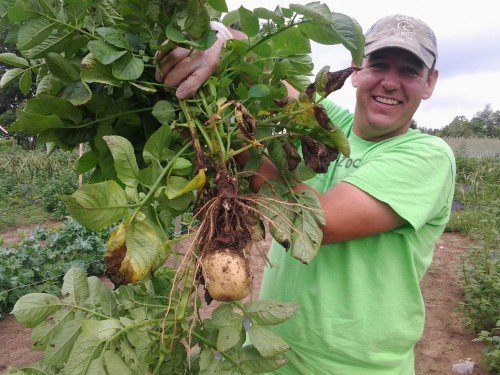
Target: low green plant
{"points": [[491, 354], [31, 182], [39, 261]]}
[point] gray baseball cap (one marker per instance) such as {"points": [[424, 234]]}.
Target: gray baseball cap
{"points": [[404, 32]]}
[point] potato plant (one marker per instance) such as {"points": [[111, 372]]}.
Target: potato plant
{"points": [[154, 158]]}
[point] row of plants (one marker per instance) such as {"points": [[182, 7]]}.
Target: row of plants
{"points": [[39, 261], [477, 192], [31, 182]]}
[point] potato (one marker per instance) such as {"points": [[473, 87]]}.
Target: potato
{"points": [[227, 274]]}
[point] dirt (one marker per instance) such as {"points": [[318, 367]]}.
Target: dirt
{"points": [[443, 344]]}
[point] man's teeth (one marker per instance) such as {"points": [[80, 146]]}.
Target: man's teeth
{"points": [[386, 100]]}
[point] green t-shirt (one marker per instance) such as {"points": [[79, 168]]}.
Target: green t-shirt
{"points": [[361, 309]]}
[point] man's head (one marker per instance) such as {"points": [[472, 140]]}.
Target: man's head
{"points": [[403, 32], [398, 73]]}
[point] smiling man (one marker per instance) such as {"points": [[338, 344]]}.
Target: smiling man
{"points": [[361, 309]]}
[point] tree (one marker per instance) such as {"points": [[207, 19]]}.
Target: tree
{"points": [[459, 127]]}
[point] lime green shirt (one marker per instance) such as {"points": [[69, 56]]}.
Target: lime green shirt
{"points": [[361, 309]]}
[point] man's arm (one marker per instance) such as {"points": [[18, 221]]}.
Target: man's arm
{"points": [[349, 212]]}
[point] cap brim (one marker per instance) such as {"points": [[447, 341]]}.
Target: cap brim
{"points": [[408, 45]]}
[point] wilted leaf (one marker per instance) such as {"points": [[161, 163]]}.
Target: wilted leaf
{"points": [[252, 362]]}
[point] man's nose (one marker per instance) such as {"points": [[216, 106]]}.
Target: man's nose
{"points": [[391, 80]]}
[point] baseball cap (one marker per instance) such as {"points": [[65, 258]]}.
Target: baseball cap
{"points": [[404, 32]]}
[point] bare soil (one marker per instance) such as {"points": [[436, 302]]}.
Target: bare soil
{"points": [[443, 344]]}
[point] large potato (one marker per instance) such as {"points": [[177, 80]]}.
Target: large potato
{"points": [[227, 275]]}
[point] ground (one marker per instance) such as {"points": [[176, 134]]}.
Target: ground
{"points": [[444, 341]]}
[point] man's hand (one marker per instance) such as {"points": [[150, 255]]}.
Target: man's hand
{"points": [[188, 70]]}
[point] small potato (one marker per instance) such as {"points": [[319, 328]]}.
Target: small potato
{"points": [[227, 275]]}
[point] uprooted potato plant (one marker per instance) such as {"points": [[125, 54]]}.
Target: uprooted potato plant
{"points": [[153, 159]]}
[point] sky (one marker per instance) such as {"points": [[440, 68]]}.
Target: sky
{"points": [[467, 34]]}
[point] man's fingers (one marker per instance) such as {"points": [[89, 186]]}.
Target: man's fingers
{"points": [[189, 86], [170, 61]]}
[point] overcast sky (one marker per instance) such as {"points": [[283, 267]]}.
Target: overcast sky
{"points": [[469, 55]]}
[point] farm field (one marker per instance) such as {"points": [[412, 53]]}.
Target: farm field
{"points": [[444, 342]]}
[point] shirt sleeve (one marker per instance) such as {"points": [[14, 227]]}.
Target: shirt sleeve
{"points": [[416, 180]]}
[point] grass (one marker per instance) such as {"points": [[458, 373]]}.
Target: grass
{"points": [[476, 147], [30, 183]]}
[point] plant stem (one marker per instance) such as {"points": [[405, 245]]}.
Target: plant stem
{"points": [[113, 116], [159, 179]]}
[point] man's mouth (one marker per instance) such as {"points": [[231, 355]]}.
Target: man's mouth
{"points": [[388, 101]]}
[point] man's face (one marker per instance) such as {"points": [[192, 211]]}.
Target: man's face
{"points": [[389, 90]]}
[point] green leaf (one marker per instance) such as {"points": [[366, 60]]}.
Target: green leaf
{"points": [[314, 11], [320, 33], [164, 112], [12, 59], [25, 82], [75, 288], [86, 348], [77, 93], [32, 123], [268, 343], [267, 14], [115, 364], [31, 309], [97, 206], [198, 19], [155, 145], [9, 76], [249, 22], [93, 71], [43, 333], [101, 298], [62, 342], [290, 42], [351, 34], [269, 312], [55, 42], [230, 327], [86, 162], [113, 36], [34, 32], [125, 162], [50, 85], [252, 362], [102, 329], [218, 5], [128, 67], [105, 52], [61, 68], [259, 91], [209, 365], [51, 105]]}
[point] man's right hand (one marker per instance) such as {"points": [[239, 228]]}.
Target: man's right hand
{"points": [[189, 69]]}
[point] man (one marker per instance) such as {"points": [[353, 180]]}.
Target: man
{"points": [[361, 309]]}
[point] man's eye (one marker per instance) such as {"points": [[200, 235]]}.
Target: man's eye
{"points": [[410, 71]]}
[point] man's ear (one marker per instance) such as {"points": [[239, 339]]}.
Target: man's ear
{"points": [[431, 83]]}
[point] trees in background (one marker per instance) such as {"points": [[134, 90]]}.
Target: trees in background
{"points": [[484, 124]]}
